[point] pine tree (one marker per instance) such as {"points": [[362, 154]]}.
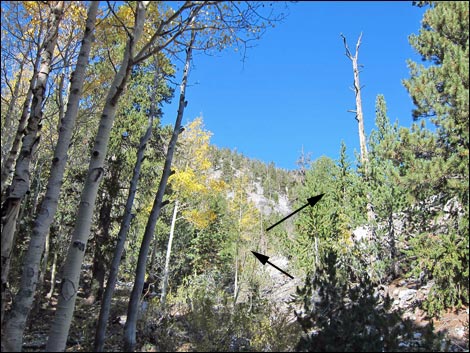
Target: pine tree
{"points": [[342, 312], [436, 162], [387, 192]]}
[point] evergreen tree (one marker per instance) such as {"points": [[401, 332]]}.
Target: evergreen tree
{"points": [[436, 163], [343, 313], [315, 225], [328, 226], [387, 192]]}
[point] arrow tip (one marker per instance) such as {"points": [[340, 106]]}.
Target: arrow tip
{"points": [[262, 258], [313, 200]]}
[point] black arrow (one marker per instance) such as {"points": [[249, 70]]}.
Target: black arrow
{"points": [[263, 259], [311, 202]]}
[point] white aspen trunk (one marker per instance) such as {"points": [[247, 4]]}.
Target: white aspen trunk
{"points": [[21, 181], [7, 134], [54, 261], [124, 229], [168, 254], [71, 269], [23, 301], [10, 157], [38, 171], [53, 275], [133, 308], [317, 256], [44, 261], [236, 285]]}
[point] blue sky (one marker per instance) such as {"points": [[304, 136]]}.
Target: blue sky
{"points": [[293, 90]]}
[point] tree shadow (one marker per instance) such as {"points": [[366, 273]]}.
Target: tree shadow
{"points": [[342, 311]]}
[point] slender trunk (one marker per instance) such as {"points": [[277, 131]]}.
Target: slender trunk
{"points": [[357, 92], [235, 289], [10, 157], [360, 122], [38, 171], [153, 112], [21, 180], [53, 275], [6, 133], [132, 311], [237, 286], [54, 261], [168, 254], [317, 255], [24, 299], [45, 259], [153, 257], [392, 245], [71, 270], [124, 229], [125, 224], [100, 239]]}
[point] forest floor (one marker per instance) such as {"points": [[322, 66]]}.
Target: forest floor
{"points": [[453, 323]]}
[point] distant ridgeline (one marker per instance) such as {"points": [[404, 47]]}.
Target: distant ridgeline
{"points": [[266, 183]]}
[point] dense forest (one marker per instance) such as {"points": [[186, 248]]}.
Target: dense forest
{"points": [[120, 233]]}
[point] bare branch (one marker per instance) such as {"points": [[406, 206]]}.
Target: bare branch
{"points": [[358, 43], [129, 34], [145, 51], [348, 52], [108, 53]]}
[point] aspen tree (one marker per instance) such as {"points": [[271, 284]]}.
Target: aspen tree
{"points": [[21, 180], [22, 303], [133, 308], [71, 270], [125, 223], [30, 46]]}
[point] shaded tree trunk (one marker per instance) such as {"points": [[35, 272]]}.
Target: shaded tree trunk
{"points": [[124, 229], [21, 180], [125, 223], [71, 270], [133, 308], [99, 258]]}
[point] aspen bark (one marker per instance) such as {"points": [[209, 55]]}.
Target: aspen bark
{"points": [[53, 275], [23, 301], [133, 308], [10, 157], [124, 229], [71, 269], [7, 126], [236, 290], [21, 180]]}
